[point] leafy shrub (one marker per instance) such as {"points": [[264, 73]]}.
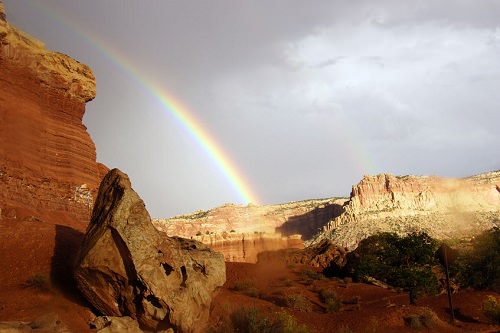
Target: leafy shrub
{"points": [[332, 302], [286, 323], [426, 319], [299, 302], [404, 262], [250, 320], [413, 321], [480, 267], [197, 215], [491, 308], [247, 288], [309, 275], [37, 281]]}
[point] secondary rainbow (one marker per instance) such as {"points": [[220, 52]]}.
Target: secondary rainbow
{"points": [[170, 104]]}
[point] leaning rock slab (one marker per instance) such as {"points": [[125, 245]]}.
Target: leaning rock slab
{"points": [[126, 267]]}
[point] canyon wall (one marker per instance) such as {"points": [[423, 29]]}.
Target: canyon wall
{"points": [[442, 207], [47, 158], [241, 232]]}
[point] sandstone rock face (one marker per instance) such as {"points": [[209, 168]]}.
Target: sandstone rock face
{"points": [[47, 158], [116, 325], [241, 232], [324, 254], [442, 207], [126, 267]]}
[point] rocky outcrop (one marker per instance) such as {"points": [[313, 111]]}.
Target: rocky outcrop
{"points": [[442, 207], [325, 254], [47, 158], [298, 217], [246, 247], [126, 267], [116, 325], [241, 232]]}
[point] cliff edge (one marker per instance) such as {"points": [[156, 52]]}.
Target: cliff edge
{"points": [[47, 158], [442, 207]]}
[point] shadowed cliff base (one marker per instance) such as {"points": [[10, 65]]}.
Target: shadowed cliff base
{"points": [[67, 242], [309, 224]]}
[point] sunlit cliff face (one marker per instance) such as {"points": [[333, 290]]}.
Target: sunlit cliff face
{"points": [[241, 232], [442, 207], [246, 250], [48, 160]]}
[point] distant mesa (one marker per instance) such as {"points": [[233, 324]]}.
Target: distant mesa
{"points": [[241, 232], [442, 207]]}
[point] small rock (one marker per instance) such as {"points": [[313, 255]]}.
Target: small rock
{"points": [[106, 324]]}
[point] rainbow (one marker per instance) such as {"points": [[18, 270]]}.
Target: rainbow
{"points": [[200, 135], [170, 104]]}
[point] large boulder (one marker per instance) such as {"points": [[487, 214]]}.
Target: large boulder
{"points": [[126, 267]]}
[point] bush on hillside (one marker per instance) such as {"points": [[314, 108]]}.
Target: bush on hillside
{"points": [[479, 268], [491, 308], [38, 282], [250, 320], [402, 262]]}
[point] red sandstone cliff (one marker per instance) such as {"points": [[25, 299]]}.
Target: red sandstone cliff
{"points": [[47, 158], [443, 207]]}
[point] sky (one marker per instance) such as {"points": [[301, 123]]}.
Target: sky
{"points": [[295, 99]]}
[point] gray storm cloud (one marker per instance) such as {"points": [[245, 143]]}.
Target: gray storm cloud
{"points": [[304, 97]]}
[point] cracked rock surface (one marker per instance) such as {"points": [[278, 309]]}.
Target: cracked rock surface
{"points": [[126, 267]]}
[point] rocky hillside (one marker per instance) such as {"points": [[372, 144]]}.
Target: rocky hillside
{"points": [[443, 207], [47, 158], [298, 217], [241, 232]]}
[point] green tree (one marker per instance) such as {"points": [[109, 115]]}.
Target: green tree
{"points": [[480, 267], [404, 262]]}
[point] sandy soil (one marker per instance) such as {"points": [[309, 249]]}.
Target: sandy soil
{"points": [[45, 246], [40, 248]]}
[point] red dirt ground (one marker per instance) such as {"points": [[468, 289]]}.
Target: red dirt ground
{"points": [[374, 310], [47, 245]]}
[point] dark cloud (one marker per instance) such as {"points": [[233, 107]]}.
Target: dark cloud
{"points": [[304, 97]]}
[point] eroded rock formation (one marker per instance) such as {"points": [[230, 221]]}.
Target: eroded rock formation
{"points": [[241, 232], [47, 158], [126, 267], [443, 207], [324, 254]]}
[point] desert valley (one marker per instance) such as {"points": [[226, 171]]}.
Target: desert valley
{"points": [[79, 251]]}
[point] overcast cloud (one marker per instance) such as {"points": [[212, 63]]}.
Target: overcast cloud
{"points": [[305, 97]]}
